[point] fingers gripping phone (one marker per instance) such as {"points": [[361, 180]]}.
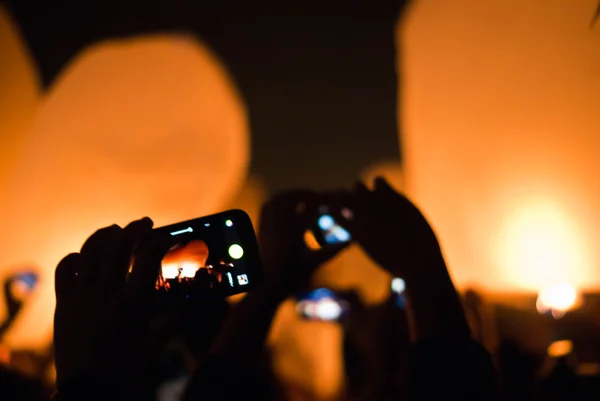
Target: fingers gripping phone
{"points": [[321, 304], [217, 254]]}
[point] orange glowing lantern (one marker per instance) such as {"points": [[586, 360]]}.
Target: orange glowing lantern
{"points": [[148, 126], [19, 87], [500, 138]]}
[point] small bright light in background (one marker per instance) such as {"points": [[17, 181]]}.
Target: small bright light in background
{"points": [[398, 285], [560, 348], [228, 223], [558, 299]]}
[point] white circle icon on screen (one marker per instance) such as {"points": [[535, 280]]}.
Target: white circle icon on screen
{"points": [[236, 251]]}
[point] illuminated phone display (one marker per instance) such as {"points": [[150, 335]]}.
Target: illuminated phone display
{"points": [[321, 304], [213, 253], [328, 230]]}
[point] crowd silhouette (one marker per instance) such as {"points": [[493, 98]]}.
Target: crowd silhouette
{"points": [[112, 342]]}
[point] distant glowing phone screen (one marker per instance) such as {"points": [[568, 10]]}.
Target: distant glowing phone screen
{"points": [[321, 304], [331, 231]]}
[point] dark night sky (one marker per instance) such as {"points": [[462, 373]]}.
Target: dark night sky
{"points": [[319, 81]]}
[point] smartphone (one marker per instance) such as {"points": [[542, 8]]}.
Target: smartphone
{"points": [[321, 304], [327, 230], [217, 254], [23, 284], [398, 288]]}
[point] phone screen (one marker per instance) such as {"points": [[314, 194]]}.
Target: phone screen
{"points": [[214, 253], [328, 230], [23, 284], [321, 304]]}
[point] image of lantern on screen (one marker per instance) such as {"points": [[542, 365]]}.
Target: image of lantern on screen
{"points": [[188, 263]]}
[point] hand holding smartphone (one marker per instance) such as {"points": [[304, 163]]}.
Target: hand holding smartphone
{"points": [[215, 254]]}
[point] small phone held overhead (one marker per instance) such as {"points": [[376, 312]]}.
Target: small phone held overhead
{"points": [[327, 230], [398, 287], [321, 304], [217, 254]]}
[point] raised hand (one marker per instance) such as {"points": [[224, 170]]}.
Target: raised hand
{"points": [[102, 314], [289, 264], [397, 236], [393, 231]]}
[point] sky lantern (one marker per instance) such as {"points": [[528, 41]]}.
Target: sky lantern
{"points": [[19, 86], [250, 198], [500, 137], [149, 126]]}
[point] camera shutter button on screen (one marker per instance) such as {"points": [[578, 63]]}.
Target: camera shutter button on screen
{"points": [[236, 251]]}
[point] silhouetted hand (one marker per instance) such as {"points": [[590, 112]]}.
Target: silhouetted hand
{"points": [[288, 265], [102, 316], [398, 237], [14, 302], [287, 261], [392, 230]]}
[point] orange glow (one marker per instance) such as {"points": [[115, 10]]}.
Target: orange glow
{"points": [[560, 348], [189, 259], [4, 354], [20, 91], [500, 138], [307, 353], [310, 241], [147, 126], [558, 299]]}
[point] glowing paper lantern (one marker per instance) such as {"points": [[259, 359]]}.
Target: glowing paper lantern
{"points": [[19, 87], [150, 126], [500, 138]]}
